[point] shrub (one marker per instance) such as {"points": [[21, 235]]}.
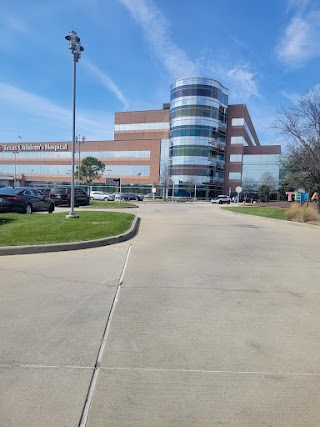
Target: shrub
{"points": [[305, 213]]}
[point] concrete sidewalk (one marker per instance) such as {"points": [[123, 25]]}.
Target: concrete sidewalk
{"points": [[205, 318]]}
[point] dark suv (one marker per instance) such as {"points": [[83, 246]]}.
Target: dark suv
{"points": [[61, 195]]}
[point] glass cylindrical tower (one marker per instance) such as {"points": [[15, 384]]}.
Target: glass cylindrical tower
{"points": [[198, 125]]}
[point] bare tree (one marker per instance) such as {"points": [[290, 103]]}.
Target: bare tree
{"points": [[190, 184], [269, 180], [165, 178], [249, 186], [300, 125]]}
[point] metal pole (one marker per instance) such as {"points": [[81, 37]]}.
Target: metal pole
{"points": [[195, 192], [15, 169], [172, 190], [76, 49], [79, 142], [71, 213]]}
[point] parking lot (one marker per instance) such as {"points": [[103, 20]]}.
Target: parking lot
{"points": [[205, 318]]}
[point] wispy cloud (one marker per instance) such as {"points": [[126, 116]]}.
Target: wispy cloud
{"points": [[243, 82], [11, 27], [156, 30], [21, 101], [292, 97], [301, 38], [298, 5], [240, 79], [107, 82], [13, 23]]}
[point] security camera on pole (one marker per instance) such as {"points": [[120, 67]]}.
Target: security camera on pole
{"points": [[76, 49]]}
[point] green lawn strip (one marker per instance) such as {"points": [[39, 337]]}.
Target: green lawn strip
{"points": [[109, 205], [278, 213], [17, 229]]}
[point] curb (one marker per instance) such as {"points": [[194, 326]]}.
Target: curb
{"points": [[73, 246]]}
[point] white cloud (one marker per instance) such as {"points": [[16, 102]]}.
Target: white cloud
{"points": [[301, 40], [243, 82], [156, 30], [93, 125], [107, 82], [298, 5], [239, 79]]}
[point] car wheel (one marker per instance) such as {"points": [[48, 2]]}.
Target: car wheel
{"points": [[28, 209], [51, 208], [228, 202], [220, 202]]}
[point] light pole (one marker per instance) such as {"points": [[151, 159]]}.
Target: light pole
{"points": [[76, 49], [78, 139]]}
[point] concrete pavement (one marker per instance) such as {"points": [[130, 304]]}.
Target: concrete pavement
{"points": [[216, 322]]}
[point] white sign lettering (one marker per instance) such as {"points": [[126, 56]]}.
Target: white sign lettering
{"points": [[34, 147]]}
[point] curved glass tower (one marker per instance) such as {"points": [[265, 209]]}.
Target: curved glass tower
{"points": [[198, 126]]}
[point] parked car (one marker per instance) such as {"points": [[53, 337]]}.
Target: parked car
{"points": [[111, 197], [221, 199], [45, 191], [152, 195], [61, 195], [99, 195], [128, 196], [24, 200]]}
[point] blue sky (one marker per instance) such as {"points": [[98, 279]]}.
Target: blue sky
{"points": [[266, 52]]}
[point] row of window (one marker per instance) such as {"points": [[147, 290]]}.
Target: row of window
{"points": [[258, 175], [199, 111], [238, 140], [235, 157], [189, 170], [83, 154], [200, 90], [196, 151], [197, 170], [141, 126], [260, 159], [235, 176], [197, 130], [242, 122], [113, 170], [190, 150], [194, 100], [190, 160]]}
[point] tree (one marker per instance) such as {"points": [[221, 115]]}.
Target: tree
{"points": [[264, 193], [190, 184], [90, 169], [296, 178], [165, 177], [249, 187], [299, 123]]}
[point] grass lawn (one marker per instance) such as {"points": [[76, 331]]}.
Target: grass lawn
{"points": [[18, 229], [278, 213], [110, 205]]}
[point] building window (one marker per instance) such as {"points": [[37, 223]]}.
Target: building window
{"points": [[141, 126], [238, 140], [235, 176], [235, 158], [237, 122]]}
